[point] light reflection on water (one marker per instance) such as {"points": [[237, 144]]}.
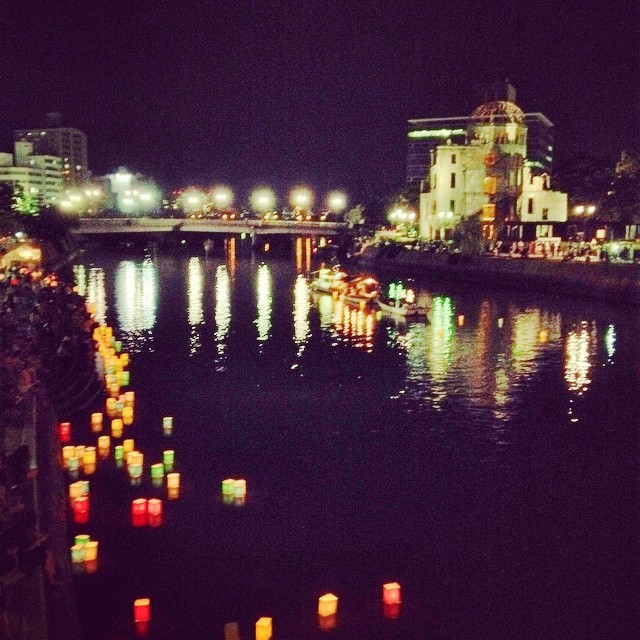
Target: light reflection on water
{"points": [[96, 295], [301, 307], [222, 311], [136, 302], [264, 296], [195, 311]]}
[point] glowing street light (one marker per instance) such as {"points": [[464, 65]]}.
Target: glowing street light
{"points": [[222, 197], [301, 197], [263, 200], [192, 200], [337, 201]]}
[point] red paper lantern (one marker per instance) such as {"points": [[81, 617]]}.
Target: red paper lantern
{"points": [[142, 610], [65, 431], [391, 593], [81, 510], [139, 512]]}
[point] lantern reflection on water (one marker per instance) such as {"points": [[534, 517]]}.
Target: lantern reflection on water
{"points": [[391, 611], [264, 629], [327, 623]]}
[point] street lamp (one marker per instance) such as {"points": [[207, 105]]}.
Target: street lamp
{"points": [[222, 197], [263, 200], [301, 199], [337, 201]]}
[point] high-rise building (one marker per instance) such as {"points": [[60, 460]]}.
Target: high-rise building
{"points": [[39, 176], [69, 144]]}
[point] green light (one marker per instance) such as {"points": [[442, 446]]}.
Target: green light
{"points": [[436, 133]]}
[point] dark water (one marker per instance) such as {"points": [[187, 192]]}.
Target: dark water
{"points": [[491, 470]]}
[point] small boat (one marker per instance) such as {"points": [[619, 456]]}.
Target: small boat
{"points": [[404, 303], [329, 280], [362, 291]]}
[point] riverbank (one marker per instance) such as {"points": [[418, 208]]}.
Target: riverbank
{"points": [[612, 282], [44, 344]]}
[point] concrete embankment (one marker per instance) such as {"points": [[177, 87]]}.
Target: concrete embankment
{"points": [[613, 282]]}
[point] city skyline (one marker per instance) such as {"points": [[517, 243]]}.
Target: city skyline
{"points": [[318, 94]]}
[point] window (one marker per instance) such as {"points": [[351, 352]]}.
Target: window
{"points": [[453, 180], [530, 206], [453, 158], [452, 206], [545, 214]]}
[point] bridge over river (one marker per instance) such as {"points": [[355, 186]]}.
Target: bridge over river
{"points": [[155, 226]]}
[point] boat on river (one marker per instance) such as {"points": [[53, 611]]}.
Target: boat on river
{"points": [[329, 280], [403, 303], [363, 291]]}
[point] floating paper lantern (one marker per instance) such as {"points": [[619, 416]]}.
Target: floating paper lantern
{"points": [[154, 507], [111, 407], [142, 610], [91, 550], [135, 457], [124, 358], [157, 470], [116, 428], [81, 510], [118, 367], [118, 452], [119, 405], [104, 442], [173, 480], [84, 487], [77, 553], [544, 336], [73, 463], [125, 378], [89, 456], [127, 415], [129, 398], [139, 512], [89, 469], [75, 491], [110, 379], [168, 458], [391, 593], [500, 322], [239, 488], [114, 391], [79, 451], [96, 422], [117, 345], [264, 629], [460, 320], [65, 431], [327, 605], [67, 453], [228, 487], [82, 539], [167, 423], [128, 445]]}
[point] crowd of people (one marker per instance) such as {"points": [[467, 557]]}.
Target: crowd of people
{"points": [[43, 325]]}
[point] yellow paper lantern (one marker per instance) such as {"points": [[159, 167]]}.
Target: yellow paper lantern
{"points": [[264, 629], [111, 407], [104, 442], [128, 445], [129, 398], [96, 422], [127, 415], [68, 453], [124, 359], [116, 428], [327, 605], [91, 550], [173, 480], [79, 451], [89, 456], [75, 490], [239, 488]]}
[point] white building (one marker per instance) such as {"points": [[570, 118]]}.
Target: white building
{"points": [[38, 176], [488, 177]]}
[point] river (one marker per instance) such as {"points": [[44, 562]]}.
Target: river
{"points": [[486, 460]]}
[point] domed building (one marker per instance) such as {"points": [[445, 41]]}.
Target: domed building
{"points": [[487, 175]]}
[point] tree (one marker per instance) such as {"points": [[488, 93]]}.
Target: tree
{"points": [[622, 203], [355, 216], [467, 236]]}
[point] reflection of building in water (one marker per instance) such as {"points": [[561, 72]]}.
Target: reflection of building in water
{"points": [[80, 279], [301, 306], [195, 311], [325, 309], [264, 302], [230, 253], [96, 295], [303, 254], [354, 325], [578, 357], [610, 342], [136, 298], [222, 309]]}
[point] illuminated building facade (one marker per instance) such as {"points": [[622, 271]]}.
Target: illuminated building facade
{"points": [[489, 175], [39, 176], [68, 144], [425, 134]]}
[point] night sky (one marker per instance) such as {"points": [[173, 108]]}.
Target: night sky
{"points": [[283, 92]]}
